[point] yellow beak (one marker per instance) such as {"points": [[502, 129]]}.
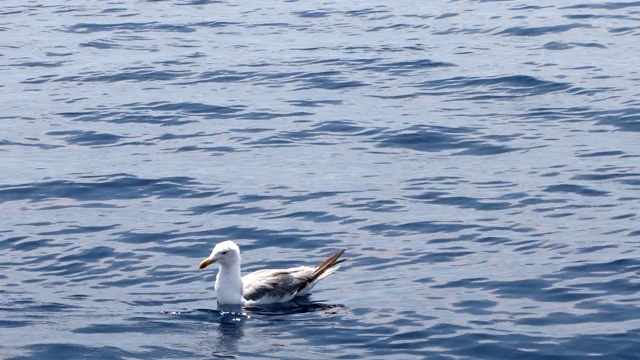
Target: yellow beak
{"points": [[206, 262]]}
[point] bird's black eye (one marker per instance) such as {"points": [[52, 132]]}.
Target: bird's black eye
{"points": [[224, 252]]}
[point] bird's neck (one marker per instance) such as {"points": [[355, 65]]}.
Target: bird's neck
{"points": [[229, 284]]}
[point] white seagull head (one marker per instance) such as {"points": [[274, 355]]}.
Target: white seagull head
{"points": [[225, 253]]}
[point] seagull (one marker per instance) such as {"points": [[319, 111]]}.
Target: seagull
{"points": [[263, 286]]}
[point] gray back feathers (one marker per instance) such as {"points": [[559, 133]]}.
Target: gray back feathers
{"points": [[286, 283]]}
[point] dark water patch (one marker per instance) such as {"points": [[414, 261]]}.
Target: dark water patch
{"points": [[315, 216], [481, 345], [440, 138], [623, 216], [340, 127], [312, 14], [277, 27], [225, 76], [627, 119], [599, 269], [534, 201], [126, 117], [333, 62], [516, 85], [293, 198], [631, 182], [210, 149], [605, 314], [555, 45], [466, 31], [540, 31], [568, 210], [76, 351], [107, 187], [36, 308], [416, 183], [326, 80], [407, 66], [314, 103], [136, 325], [441, 256], [36, 145], [624, 30], [213, 23], [419, 343], [475, 307], [537, 289], [92, 254], [85, 205], [418, 227], [90, 28], [38, 79], [372, 204], [136, 237], [441, 198], [268, 115], [621, 287], [622, 174], [230, 208], [75, 229], [162, 113], [98, 44], [143, 74], [613, 5], [276, 312], [395, 27], [447, 15], [493, 240], [192, 108], [20, 243], [40, 64], [368, 11], [87, 138], [60, 269], [602, 153], [500, 184], [529, 7], [597, 16], [8, 324], [575, 189], [323, 133], [590, 249], [572, 114], [289, 238], [214, 208], [327, 83], [170, 136]]}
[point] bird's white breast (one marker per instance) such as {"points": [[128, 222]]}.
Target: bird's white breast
{"points": [[229, 287]]}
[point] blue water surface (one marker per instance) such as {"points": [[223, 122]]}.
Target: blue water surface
{"points": [[478, 160]]}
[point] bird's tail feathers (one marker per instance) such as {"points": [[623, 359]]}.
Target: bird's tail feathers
{"points": [[328, 266], [328, 272]]}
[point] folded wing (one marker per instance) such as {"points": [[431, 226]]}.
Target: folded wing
{"points": [[271, 286]]}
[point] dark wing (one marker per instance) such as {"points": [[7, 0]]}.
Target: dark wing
{"points": [[275, 285], [269, 286]]}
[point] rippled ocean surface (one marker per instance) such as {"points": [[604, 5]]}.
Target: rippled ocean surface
{"points": [[478, 160]]}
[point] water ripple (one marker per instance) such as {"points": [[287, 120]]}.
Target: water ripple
{"points": [[476, 159]]}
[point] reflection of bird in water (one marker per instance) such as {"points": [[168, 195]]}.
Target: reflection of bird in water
{"points": [[263, 286], [231, 331], [229, 324], [222, 330]]}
